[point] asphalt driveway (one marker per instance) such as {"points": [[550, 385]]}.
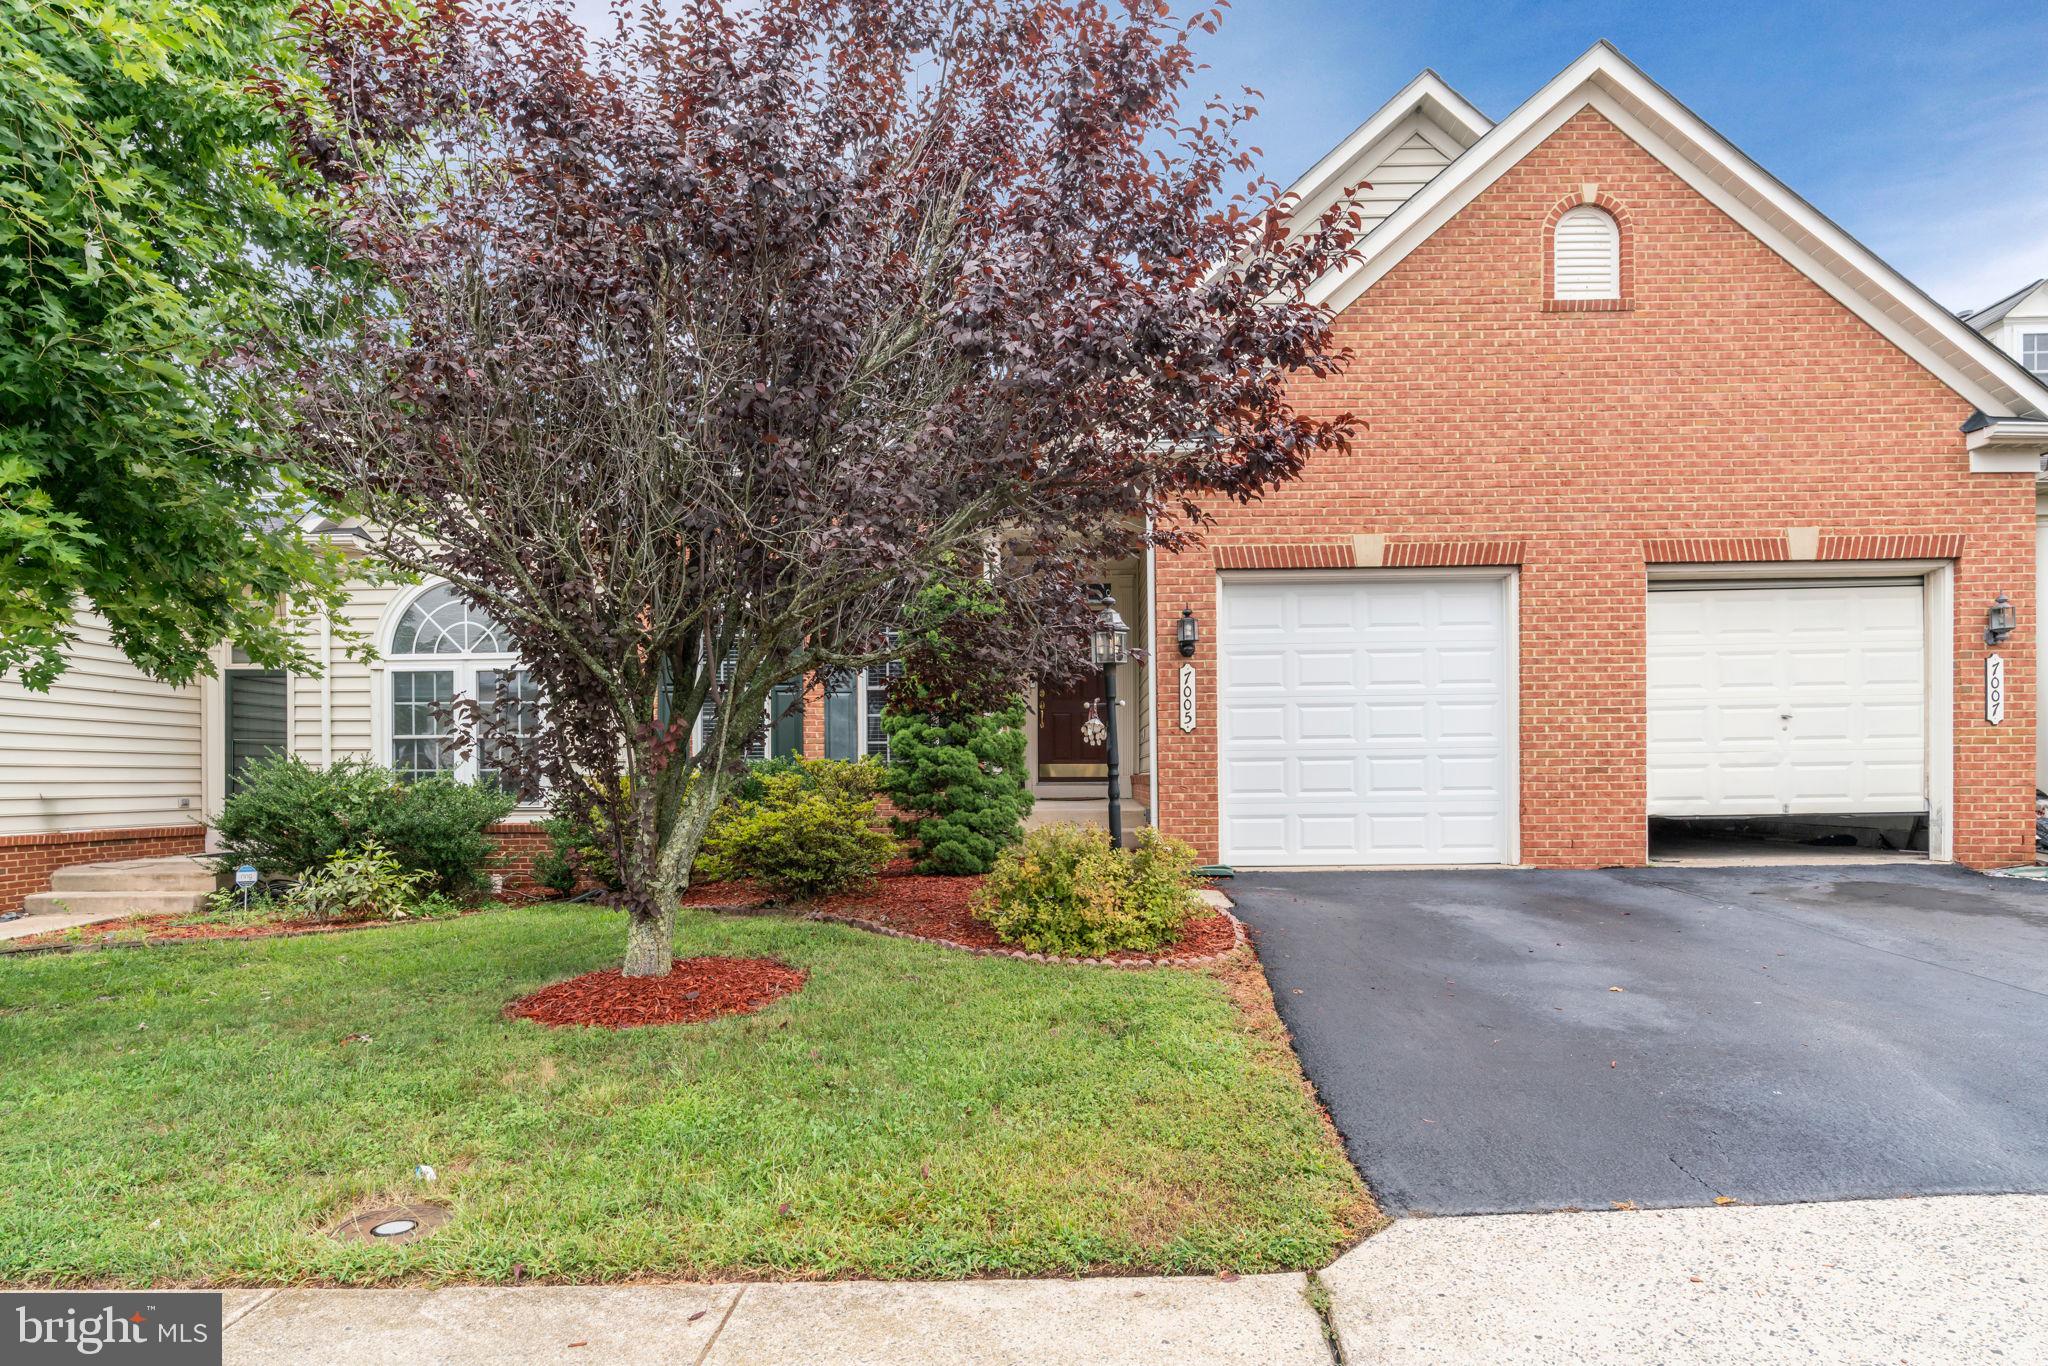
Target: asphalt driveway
{"points": [[1778, 1034]]}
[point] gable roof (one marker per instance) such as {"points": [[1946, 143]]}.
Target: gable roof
{"points": [[1426, 113], [1607, 82], [1985, 317]]}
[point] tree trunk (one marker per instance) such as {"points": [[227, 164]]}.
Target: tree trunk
{"points": [[651, 941]]}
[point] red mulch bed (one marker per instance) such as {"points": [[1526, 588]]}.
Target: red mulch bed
{"points": [[695, 989], [939, 908]]}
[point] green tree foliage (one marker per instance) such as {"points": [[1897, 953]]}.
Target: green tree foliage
{"points": [[960, 782], [956, 735], [152, 224]]}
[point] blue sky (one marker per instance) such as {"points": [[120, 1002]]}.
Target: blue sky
{"points": [[1921, 128]]}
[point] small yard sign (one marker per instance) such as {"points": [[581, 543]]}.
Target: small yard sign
{"points": [[245, 876], [1187, 697], [1994, 688]]}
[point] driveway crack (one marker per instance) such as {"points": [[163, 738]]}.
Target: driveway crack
{"points": [[1711, 1188]]}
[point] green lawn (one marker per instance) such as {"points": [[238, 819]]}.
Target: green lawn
{"points": [[194, 1113]]}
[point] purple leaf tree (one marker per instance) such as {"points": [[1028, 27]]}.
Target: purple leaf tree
{"points": [[703, 344]]}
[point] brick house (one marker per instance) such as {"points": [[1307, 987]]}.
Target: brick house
{"points": [[1674, 504]]}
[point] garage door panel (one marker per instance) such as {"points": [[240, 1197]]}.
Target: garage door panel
{"points": [[1252, 837], [1328, 837], [1476, 667], [1396, 722], [1392, 668], [1257, 777], [1475, 607], [1772, 699], [1254, 724], [1327, 777], [1410, 767], [1737, 723], [1475, 722], [1325, 612], [1679, 725], [1333, 670], [1320, 722], [1474, 774], [1258, 671], [1405, 775]]}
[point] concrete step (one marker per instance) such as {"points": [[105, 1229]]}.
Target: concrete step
{"points": [[1086, 811], [176, 873], [113, 905]]}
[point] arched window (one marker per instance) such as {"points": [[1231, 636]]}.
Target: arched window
{"points": [[442, 650], [1587, 249]]}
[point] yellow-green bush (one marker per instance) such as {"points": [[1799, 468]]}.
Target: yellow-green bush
{"points": [[1065, 890], [810, 831]]}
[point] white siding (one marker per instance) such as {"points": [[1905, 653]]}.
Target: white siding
{"points": [[1394, 181], [347, 693], [107, 747], [1394, 167]]}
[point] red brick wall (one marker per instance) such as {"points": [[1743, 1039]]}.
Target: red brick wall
{"points": [[1727, 398], [518, 843], [26, 861]]}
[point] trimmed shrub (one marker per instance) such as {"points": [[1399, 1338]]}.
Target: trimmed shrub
{"points": [[959, 782], [289, 819], [1064, 890], [436, 826], [364, 883], [811, 832]]}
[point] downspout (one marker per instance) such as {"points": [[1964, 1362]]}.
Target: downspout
{"points": [[326, 691], [1151, 677]]}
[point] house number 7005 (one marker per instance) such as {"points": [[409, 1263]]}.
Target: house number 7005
{"points": [[1187, 697]]}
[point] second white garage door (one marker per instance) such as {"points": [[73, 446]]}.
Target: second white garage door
{"points": [[1364, 720], [1780, 699]]}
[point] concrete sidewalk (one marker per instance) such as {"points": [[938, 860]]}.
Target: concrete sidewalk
{"points": [[1952, 1279], [1120, 1322]]}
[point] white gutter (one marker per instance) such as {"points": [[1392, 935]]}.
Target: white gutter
{"points": [[2007, 445]]}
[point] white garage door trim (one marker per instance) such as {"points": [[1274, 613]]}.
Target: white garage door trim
{"points": [[1937, 595], [1507, 846]]}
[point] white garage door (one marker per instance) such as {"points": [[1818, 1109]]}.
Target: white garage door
{"points": [[1363, 720], [1779, 699]]}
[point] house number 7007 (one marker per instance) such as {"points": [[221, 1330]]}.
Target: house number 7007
{"points": [[1994, 688]]}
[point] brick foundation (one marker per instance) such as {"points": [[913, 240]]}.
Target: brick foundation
{"points": [[26, 861]]}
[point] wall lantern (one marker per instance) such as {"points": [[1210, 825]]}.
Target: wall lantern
{"points": [[1999, 621], [1109, 644], [1187, 633]]}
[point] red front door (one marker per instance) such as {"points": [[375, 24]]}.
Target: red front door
{"points": [[1062, 710]]}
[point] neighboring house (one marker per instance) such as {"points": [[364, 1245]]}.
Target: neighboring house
{"points": [[1673, 503], [2018, 325]]}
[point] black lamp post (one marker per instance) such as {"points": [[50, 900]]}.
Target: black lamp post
{"points": [[1109, 645]]}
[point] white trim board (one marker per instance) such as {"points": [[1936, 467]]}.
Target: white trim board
{"points": [[1610, 84]]}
